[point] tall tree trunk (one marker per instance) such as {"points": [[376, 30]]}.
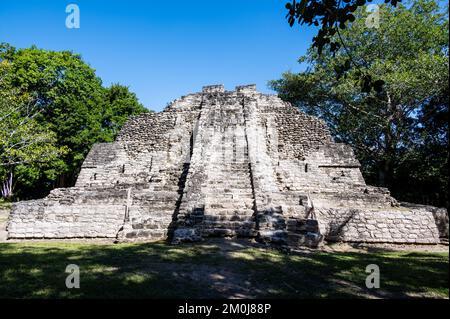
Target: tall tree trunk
{"points": [[386, 169]]}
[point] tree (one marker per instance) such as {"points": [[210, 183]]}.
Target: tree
{"points": [[394, 129], [27, 149], [120, 103], [70, 102], [331, 16]]}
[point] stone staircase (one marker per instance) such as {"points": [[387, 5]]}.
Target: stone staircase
{"points": [[303, 232], [226, 206], [151, 211], [288, 225], [229, 200]]}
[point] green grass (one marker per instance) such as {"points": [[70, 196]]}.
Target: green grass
{"points": [[4, 210], [4, 204], [213, 270]]}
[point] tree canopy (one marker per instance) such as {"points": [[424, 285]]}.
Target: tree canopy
{"points": [[56, 98], [331, 16], [400, 134]]}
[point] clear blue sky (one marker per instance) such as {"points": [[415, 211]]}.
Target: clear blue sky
{"points": [[165, 49]]}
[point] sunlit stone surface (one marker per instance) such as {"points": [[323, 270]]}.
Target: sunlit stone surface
{"points": [[226, 163]]}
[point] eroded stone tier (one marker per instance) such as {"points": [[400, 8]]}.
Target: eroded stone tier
{"points": [[225, 163]]}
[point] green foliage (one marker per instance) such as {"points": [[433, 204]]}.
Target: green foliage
{"points": [[28, 149], [333, 16], [119, 104], [69, 106], [400, 134]]}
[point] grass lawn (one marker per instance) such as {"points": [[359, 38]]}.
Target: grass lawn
{"points": [[214, 270]]}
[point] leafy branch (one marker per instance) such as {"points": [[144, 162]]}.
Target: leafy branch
{"points": [[331, 16]]}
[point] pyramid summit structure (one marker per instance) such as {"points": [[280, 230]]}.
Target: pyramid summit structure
{"points": [[225, 163]]}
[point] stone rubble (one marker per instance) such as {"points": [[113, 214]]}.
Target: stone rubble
{"points": [[226, 163]]}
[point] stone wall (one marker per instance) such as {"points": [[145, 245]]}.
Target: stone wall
{"points": [[378, 226], [440, 216], [69, 214]]}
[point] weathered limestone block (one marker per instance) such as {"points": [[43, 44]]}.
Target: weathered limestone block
{"points": [[251, 88], [213, 88], [440, 216], [374, 226], [41, 219]]}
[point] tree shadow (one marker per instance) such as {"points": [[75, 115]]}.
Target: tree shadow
{"points": [[218, 268], [336, 227]]}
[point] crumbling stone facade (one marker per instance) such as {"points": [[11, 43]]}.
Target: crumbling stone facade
{"points": [[225, 163]]}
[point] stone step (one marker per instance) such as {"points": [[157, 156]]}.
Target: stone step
{"points": [[230, 179], [153, 234], [227, 184], [153, 202], [248, 204], [211, 209], [309, 239], [231, 163], [236, 175], [152, 225], [163, 211], [163, 205], [228, 224], [150, 215], [152, 212], [220, 194], [229, 175], [215, 215], [226, 212], [226, 198], [227, 218], [155, 198], [220, 232], [165, 188], [298, 225], [230, 190], [231, 170]]}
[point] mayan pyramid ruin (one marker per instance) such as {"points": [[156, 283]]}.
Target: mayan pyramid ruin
{"points": [[225, 163]]}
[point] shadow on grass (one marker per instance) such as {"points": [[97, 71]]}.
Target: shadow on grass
{"points": [[224, 269]]}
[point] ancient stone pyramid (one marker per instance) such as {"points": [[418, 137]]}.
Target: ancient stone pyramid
{"points": [[224, 163]]}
